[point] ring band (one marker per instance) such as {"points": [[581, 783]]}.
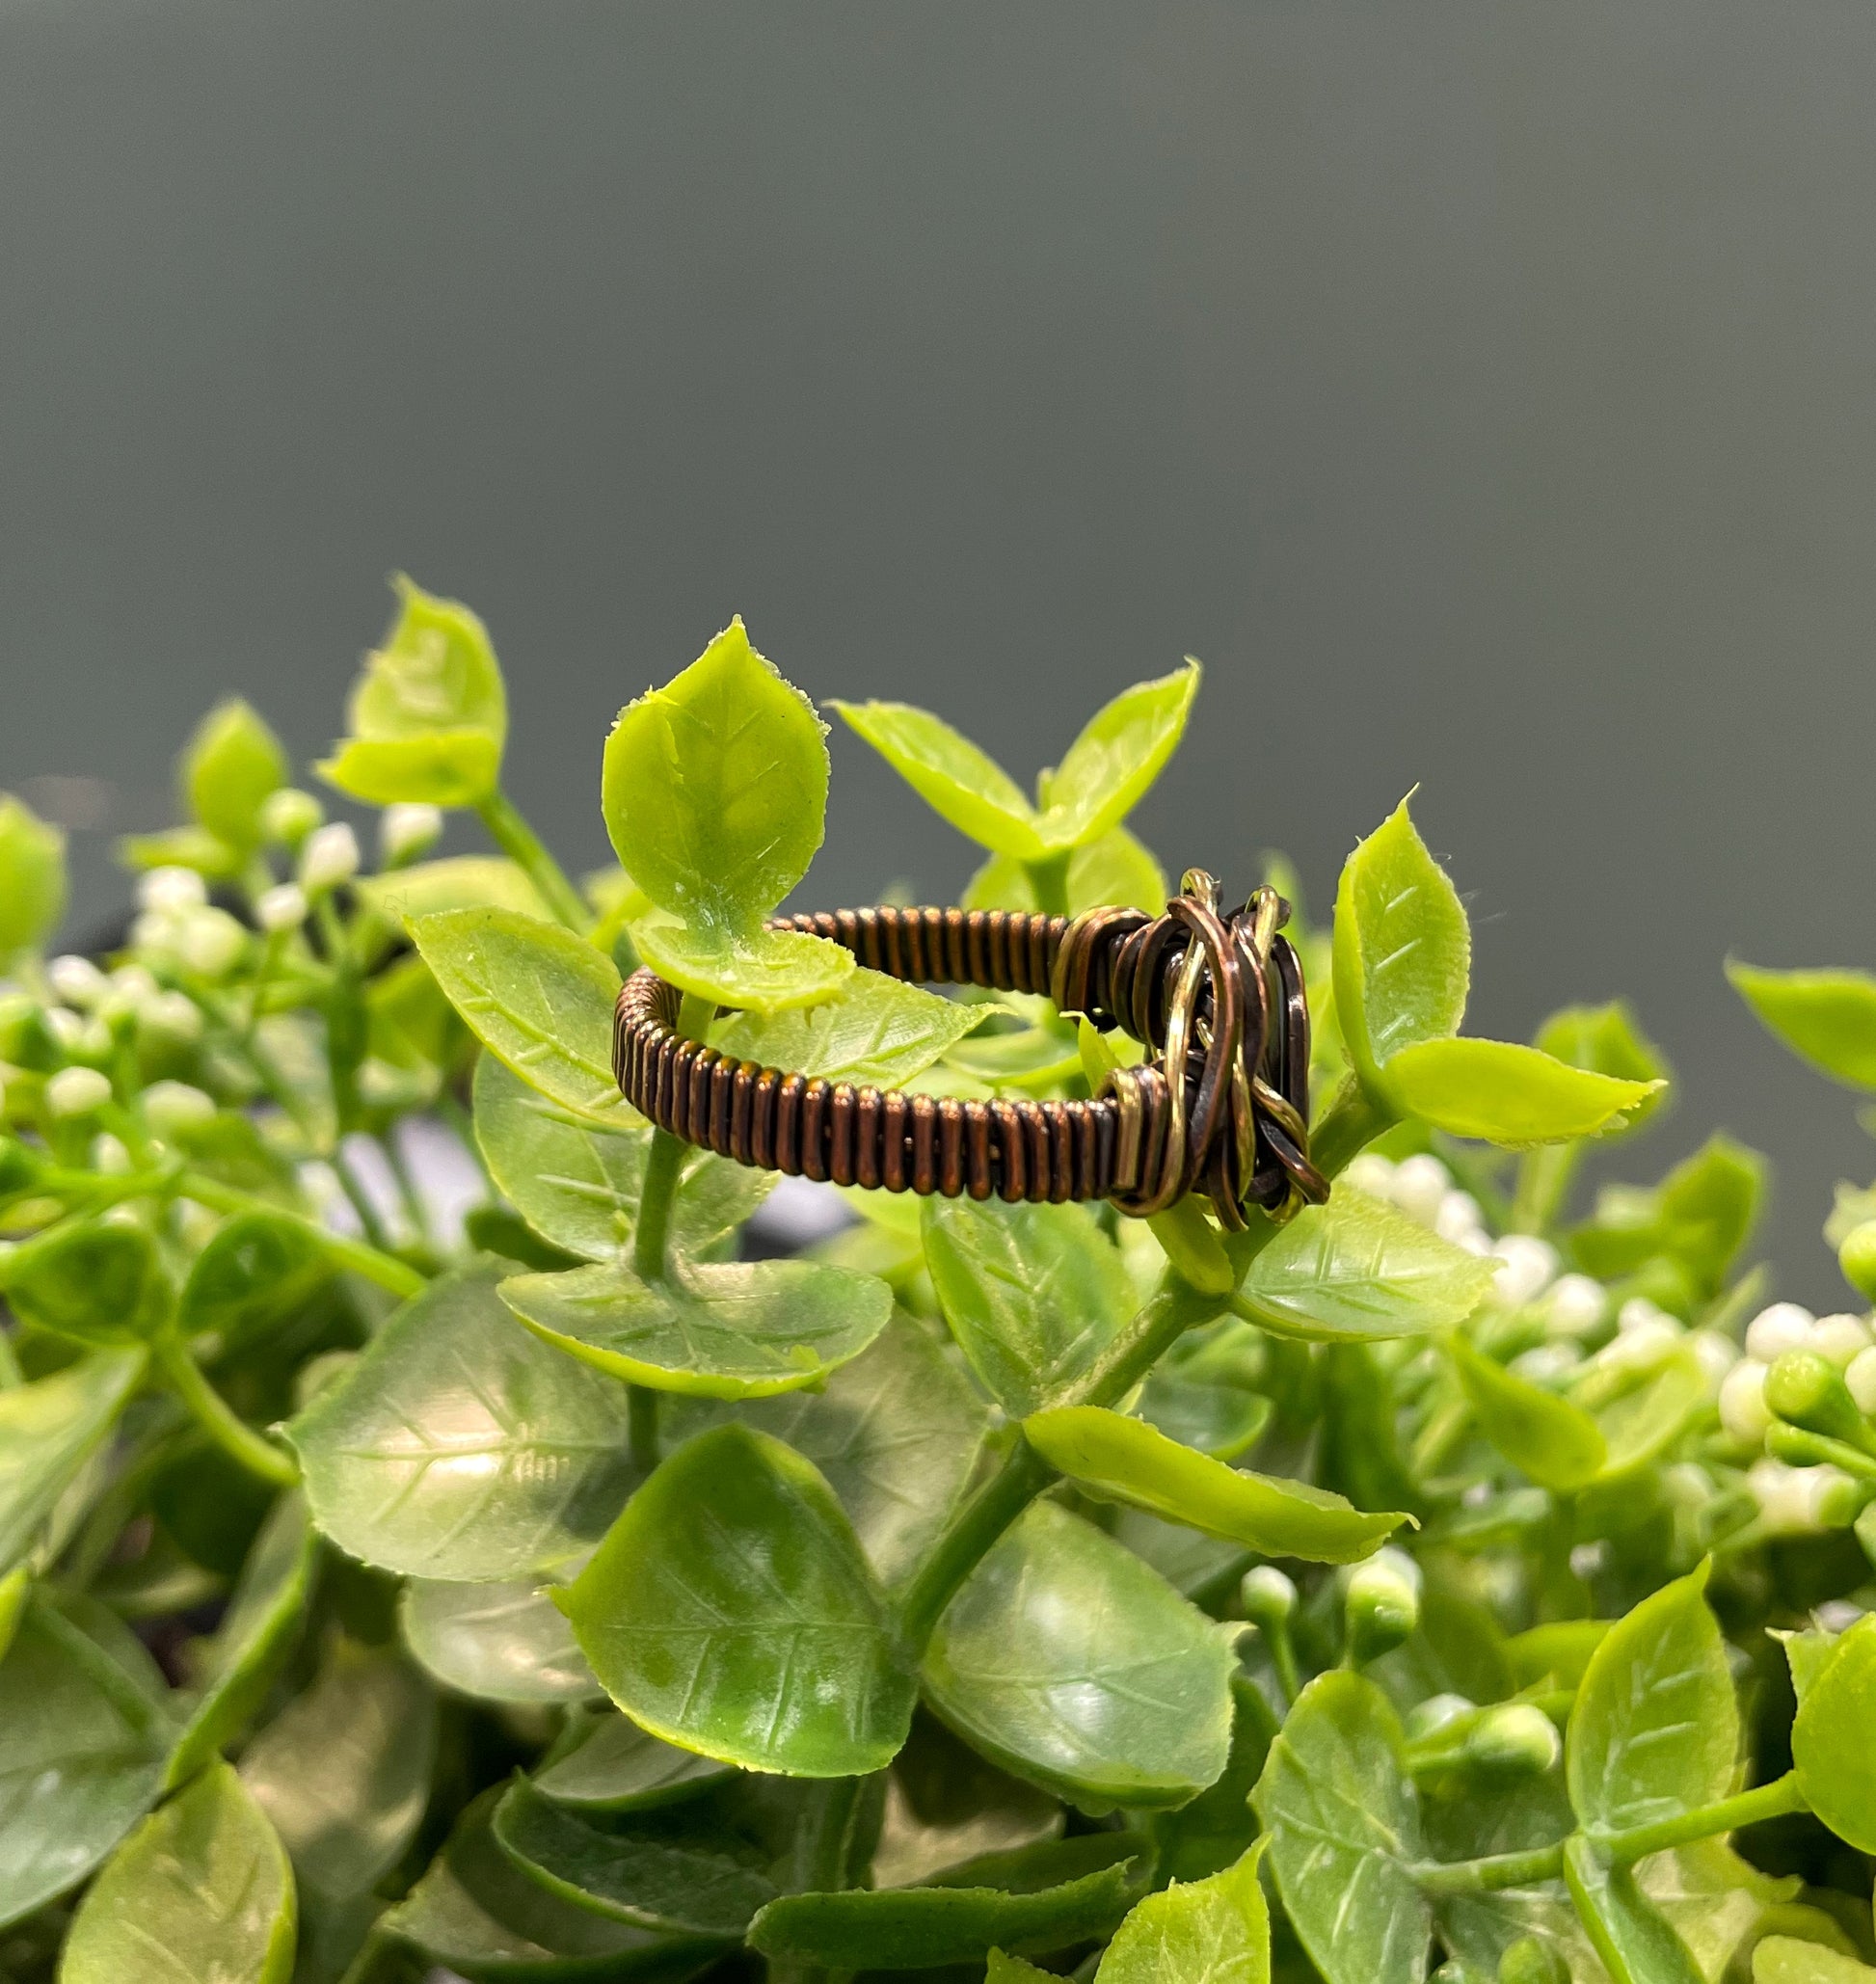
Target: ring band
{"points": [[1223, 1109]]}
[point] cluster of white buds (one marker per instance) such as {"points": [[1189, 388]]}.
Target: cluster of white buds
{"points": [[1423, 1188], [1796, 1501], [177, 922], [1842, 1340]]}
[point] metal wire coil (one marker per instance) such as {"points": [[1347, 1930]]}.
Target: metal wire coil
{"points": [[1220, 998]]}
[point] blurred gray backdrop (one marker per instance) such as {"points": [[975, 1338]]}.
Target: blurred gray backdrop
{"points": [[1482, 391]]}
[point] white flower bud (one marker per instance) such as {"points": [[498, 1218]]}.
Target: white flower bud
{"points": [[1420, 1182], [95, 1039], [1530, 1265], [1576, 1305], [406, 831], [281, 908], [1773, 1332], [288, 815], [1651, 1341], [330, 856], [111, 1156], [157, 932], [1269, 1596], [1458, 1215], [1589, 1561], [65, 1026], [1743, 1410], [1372, 1173], [77, 1092], [1547, 1363], [1795, 1500], [77, 980], [172, 1107], [1861, 1378], [1716, 1354], [1514, 1740], [1639, 1313], [173, 1014], [1839, 1338], [211, 942], [134, 983], [170, 890]]}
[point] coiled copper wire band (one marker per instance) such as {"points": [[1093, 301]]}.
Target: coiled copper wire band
{"points": [[1218, 998]]}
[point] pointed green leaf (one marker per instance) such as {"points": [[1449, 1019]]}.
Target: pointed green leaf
{"points": [[48, 1430], [1655, 1729], [730, 1610], [1218, 1418], [1032, 1293], [93, 1283], [32, 880], [1115, 869], [1635, 1940], [1070, 1663], [1214, 1931], [1343, 1833], [1214, 1830], [505, 1642], [1119, 754], [258, 1271], [1507, 1093], [1403, 949], [199, 1893], [1785, 1960], [1012, 1969], [956, 779], [737, 1330], [1825, 1017], [616, 1766], [1832, 1739], [1554, 1442], [1642, 1424], [765, 971], [1127, 1460], [1608, 1041], [1356, 1270], [457, 882], [878, 1031], [537, 997], [231, 763], [577, 1184], [458, 1446]]}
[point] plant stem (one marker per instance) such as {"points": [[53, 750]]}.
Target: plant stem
{"points": [[968, 1537], [399, 1277], [1351, 1119], [360, 1200], [824, 1864], [1049, 878], [522, 846], [215, 1417]]}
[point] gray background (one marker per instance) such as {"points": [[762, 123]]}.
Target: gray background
{"points": [[1484, 391]]}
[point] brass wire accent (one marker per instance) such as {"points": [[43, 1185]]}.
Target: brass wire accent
{"points": [[1222, 1110]]}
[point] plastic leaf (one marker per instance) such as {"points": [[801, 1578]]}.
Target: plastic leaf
{"points": [[1785, 1960], [1508, 1094], [47, 1431], [1114, 868], [231, 763], [457, 882], [876, 1031], [1118, 756], [32, 880], [616, 1766], [1608, 1041], [1825, 1017], [1214, 1831], [505, 1642], [1636, 1943], [1554, 1442], [730, 1610], [258, 1271], [1832, 1739], [956, 779], [1214, 1931], [93, 1283], [765, 971]]}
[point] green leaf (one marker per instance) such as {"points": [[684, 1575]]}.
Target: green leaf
{"points": [[1832, 1739], [1635, 1940], [877, 1031], [1558, 1445], [578, 1185], [1012, 1969], [1785, 1960], [201, 1891], [1403, 949], [762, 970], [1641, 1425], [1042, 1897], [736, 1329], [1700, 1215], [48, 1430], [652, 1882], [1127, 1460], [1118, 755], [1357, 1269], [429, 716], [1825, 1017], [257, 1632], [458, 1446], [1214, 1831], [616, 1766], [343, 1772], [1115, 869], [956, 779], [1214, 1931], [1072, 1664], [457, 882], [1608, 1041], [93, 1283], [505, 1642], [1655, 1729], [1509, 1094], [258, 1270], [231, 763], [1218, 1418], [81, 1759], [32, 880], [1343, 1833], [730, 1610], [1032, 1293], [537, 997]]}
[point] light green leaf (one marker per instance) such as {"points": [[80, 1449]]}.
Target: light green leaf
{"points": [[1213, 1832], [1127, 1460], [1635, 1940], [1218, 1418], [505, 1642], [1825, 1017], [230, 765], [1785, 1960], [1642, 1424], [32, 880], [1012, 1969], [199, 1893], [81, 1759], [1115, 869], [1508, 1094], [458, 1446], [617, 1766], [343, 1772], [256, 1273], [1403, 949], [765, 971], [1832, 1739], [1608, 1041], [877, 1031], [1214, 1931], [1032, 1293], [1344, 1832], [1700, 1217], [1119, 754], [93, 1283], [736, 1329], [956, 779], [537, 997], [730, 1610], [1357, 1269], [457, 882], [48, 1430], [577, 1184], [429, 716], [1655, 1729], [1071, 1663], [1554, 1442]]}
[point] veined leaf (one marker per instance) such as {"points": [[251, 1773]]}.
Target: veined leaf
{"points": [[877, 1031], [1214, 1931], [505, 1642], [1635, 1940], [1831, 1739], [616, 1766], [228, 768], [457, 882], [956, 779], [1114, 868], [1785, 1960], [1554, 1442], [93, 1283], [48, 1430], [762, 970], [256, 1273], [1507, 1093], [1120, 752]]}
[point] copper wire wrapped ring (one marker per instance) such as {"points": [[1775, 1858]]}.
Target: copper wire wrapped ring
{"points": [[1221, 1106]]}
